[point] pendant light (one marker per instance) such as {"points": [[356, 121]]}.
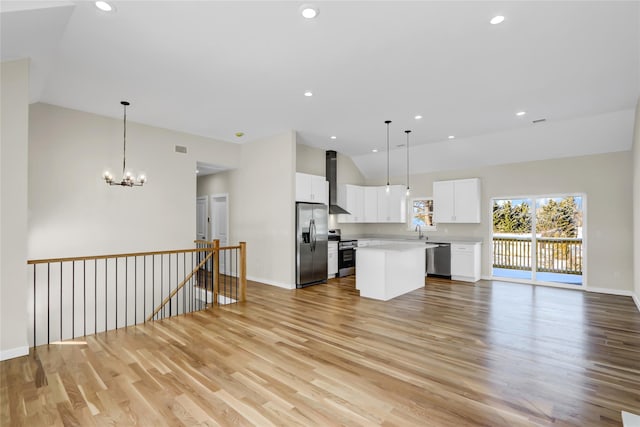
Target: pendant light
{"points": [[408, 188], [388, 187], [127, 179]]}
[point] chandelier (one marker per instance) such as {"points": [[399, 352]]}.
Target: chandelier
{"points": [[128, 180]]}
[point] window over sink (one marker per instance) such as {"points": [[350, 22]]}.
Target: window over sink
{"points": [[420, 213]]}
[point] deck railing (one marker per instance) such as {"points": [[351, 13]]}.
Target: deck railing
{"points": [[553, 254], [79, 296]]}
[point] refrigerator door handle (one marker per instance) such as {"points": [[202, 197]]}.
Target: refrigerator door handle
{"points": [[312, 229], [315, 236]]}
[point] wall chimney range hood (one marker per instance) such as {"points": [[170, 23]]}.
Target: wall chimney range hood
{"points": [[331, 174]]}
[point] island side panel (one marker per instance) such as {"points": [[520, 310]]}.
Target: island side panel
{"points": [[370, 273], [405, 272]]}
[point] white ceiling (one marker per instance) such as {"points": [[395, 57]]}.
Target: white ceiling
{"points": [[215, 68]]}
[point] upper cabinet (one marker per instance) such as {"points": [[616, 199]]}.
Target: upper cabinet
{"points": [[311, 188], [456, 201], [392, 205], [369, 204], [371, 198], [351, 198]]}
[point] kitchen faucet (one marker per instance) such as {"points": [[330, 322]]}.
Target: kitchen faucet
{"points": [[419, 230]]}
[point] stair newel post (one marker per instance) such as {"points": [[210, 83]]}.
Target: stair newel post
{"points": [[216, 269], [243, 271]]}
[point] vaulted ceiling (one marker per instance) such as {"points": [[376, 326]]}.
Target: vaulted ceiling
{"points": [[216, 68]]}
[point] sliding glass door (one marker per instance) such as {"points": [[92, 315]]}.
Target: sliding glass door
{"points": [[539, 238]]}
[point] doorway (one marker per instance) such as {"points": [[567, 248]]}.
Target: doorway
{"points": [[539, 238]]}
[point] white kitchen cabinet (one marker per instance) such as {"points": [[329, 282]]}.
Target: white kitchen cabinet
{"points": [[465, 262], [332, 259], [456, 201], [351, 198], [311, 188], [371, 204], [392, 205]]}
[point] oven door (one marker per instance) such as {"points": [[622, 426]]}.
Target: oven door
{"points": [[346, 262]]}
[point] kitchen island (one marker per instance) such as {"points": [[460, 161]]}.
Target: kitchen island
{"points": [[389, 270]]}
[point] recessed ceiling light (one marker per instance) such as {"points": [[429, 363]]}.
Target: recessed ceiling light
{"points": [[333, 137], [103, 6], [451, 137], [497, 20], [308, 11], [375, 150], [308, 93], [418, 117], [521, 113]]}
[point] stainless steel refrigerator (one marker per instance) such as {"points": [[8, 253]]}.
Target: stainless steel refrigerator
{"points": [[311, 244]]}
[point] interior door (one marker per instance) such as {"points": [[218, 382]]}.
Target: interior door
{"points": [[220, 229], [201, 218]]}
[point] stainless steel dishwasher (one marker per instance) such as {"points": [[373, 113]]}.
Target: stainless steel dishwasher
{"points": [[439, 260]]}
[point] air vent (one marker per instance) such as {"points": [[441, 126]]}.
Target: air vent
{"points": [[181, 149], [539, 121]]}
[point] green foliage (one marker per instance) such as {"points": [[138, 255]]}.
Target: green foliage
{"points": [[511, 219], [559, 219], [553, 219]]}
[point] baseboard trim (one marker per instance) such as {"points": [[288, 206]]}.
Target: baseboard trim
{"points": [[270, 282], [610, 291], [12, 353]]}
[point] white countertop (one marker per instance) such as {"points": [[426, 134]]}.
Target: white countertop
{"points": [[399, 246], [430, 239]]}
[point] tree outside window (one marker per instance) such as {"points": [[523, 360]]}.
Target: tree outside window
{"points": [[421, 213]]}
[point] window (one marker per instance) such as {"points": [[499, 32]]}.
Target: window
{"points": [[539, 238], [421, 213]]}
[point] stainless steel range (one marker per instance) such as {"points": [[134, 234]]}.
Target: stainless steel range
{"points": [[347, 257]]}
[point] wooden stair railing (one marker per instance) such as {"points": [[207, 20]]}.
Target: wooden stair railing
{"points": [[179, 287], [215, 249], [80, 296]]}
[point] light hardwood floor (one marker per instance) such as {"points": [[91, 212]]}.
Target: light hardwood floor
{"points": [[494, 354]]}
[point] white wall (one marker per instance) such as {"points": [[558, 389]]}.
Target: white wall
{"points": [[14, 135], [604, 178], [636, 206], [72, 212], [262, 207], [310, 160]]}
